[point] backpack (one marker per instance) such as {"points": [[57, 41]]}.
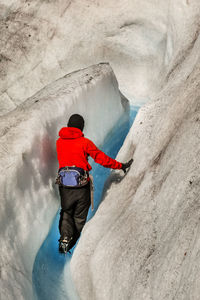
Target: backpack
{"points": [[72, 177]]}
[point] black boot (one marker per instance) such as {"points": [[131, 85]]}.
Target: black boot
{"points": [[64, 244]]}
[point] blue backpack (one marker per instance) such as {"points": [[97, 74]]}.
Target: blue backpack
{"points": [[72, 177]]}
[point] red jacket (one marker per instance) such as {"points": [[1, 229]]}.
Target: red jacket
{"points": [[73, 149]]}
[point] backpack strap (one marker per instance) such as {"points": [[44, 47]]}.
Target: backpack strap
{"points": [[92, 191]]}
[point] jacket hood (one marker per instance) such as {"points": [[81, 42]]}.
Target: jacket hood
{"points": [[70, 133]]}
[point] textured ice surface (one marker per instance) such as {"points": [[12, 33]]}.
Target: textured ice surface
{"points": [[28, 163], [44, 40], [143, 243]]}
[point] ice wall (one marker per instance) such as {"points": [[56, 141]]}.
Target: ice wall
{"points": [[28, 164], [44, 40], [144, 240]]}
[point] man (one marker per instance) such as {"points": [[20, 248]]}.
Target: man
{"points": [[73, 150]]}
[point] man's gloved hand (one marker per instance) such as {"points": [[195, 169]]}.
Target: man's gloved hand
{"points": [[127, 165]]}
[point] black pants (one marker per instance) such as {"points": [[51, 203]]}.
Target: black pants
{"points": [[75, 203]]}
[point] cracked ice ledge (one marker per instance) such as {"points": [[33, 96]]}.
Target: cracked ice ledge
{"points": [[28, 163]]}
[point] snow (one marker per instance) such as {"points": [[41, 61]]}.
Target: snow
{"points": [[29, 199], [42, 41]]}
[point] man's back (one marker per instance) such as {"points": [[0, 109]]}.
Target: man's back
{"points": [[73, 149]]}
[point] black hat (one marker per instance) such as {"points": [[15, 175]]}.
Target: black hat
{"points": [[76, 121]]}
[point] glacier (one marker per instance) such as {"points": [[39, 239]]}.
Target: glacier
{"points": [[143, 242], [29, 199]]}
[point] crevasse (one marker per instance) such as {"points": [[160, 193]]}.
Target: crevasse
{"points": [[51, 271]]}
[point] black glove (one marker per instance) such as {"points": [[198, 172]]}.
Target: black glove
{"points": [[126, 165]]}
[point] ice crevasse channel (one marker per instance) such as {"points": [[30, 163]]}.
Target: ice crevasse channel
{"points": [[29, 200], [51, 271]]}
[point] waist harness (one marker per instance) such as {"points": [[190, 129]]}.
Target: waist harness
{"points": [[72, 177]]}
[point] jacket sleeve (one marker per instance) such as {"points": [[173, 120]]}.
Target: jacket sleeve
{"points": [[100, 157]]}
